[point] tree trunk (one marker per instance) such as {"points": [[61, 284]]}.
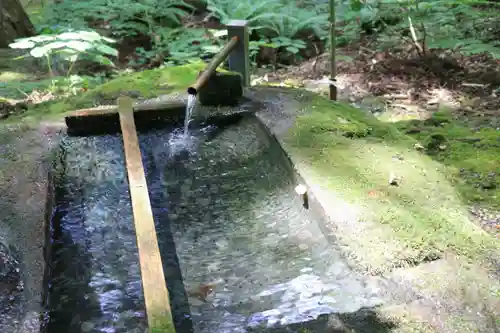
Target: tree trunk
{"points": [[14, 22]]}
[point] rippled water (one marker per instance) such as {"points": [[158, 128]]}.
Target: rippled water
{"points": [[94, 277], [227, 216]]}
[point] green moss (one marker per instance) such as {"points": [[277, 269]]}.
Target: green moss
{"points": [[10, 76], [163, 324], [145, 84], [472, 157], [353, 155]]}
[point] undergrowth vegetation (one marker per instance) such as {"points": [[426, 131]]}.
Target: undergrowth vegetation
{"points": [[151, 33], [283, 30]]}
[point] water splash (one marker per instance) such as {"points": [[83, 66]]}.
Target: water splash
{"points": [[190, 106]]}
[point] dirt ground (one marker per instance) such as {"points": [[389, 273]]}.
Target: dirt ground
{"points": [[405, 84]]}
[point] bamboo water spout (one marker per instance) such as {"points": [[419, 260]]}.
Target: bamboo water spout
{"points": [[216, 61]]}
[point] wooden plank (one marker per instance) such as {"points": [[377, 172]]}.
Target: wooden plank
{"points": [[148, 105], [153, 279]]}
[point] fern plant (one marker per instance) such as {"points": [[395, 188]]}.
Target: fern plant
{"points": [[260, 14], [124, 17], [295, 20], [179, 46], [428, 24]]}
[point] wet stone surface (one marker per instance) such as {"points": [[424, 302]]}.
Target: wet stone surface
{"points": [[11, 286], [227, 202]]}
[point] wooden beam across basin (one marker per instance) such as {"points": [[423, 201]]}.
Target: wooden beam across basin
{"points": [[153, 280], [105, 120]]}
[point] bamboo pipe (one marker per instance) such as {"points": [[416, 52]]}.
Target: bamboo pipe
{"points": [[216, 61]]}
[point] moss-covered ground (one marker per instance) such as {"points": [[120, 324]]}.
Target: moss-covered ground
{"points": [[356, 155], [472, 157], [421, 220], [146, 84]]}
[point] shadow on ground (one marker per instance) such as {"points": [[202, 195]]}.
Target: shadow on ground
{"points": [[365, 320]]}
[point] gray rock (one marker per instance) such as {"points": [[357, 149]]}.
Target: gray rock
{"points": [[222, 89]]}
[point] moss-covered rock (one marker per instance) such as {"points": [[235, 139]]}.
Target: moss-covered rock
{"points": [[221, 89], [140, 85]]}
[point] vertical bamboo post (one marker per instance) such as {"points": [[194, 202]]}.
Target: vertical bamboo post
{"points": [[333, 46], [239, 58]]}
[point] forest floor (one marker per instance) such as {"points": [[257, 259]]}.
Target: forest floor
{"points": [[408, 90]]}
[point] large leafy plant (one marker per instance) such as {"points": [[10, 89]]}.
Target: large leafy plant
{"points": [[428, 24], [287, 28], [68, 47], [123, 17], [181, 46], [260, 14]]}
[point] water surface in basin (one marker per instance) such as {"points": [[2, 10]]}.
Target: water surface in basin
{"points": [[94, 281], [227, 216]]}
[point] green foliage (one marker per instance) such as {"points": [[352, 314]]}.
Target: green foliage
{"points": [[260, 14], [181, 46], [286, 29], [124, 17], [69, 47], [451, 24], [284, 25], [277, 24]]}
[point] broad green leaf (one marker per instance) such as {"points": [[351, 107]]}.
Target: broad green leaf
{"points": [[103, 60], [109, 40], [40, 51], [67, 51], [54, 45], [103, 48], [22, 44], [41, 39], [211, 48], [81, 46]]}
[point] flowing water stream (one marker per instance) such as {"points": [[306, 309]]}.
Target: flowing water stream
{"points": [[190, 107]]}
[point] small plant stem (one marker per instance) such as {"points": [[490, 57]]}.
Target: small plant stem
{"points": [[415, 38], [51, 73], [70, 68]]}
